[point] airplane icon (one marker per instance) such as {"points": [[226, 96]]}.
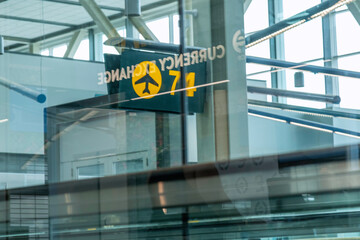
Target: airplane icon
{"points": [[147, 79]]}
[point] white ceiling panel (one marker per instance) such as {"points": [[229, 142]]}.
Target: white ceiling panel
{"points": [[26, 29], [69, 13], [14, 13], [48, 11]]}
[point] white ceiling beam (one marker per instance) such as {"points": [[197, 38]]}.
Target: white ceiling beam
{"points": [[141, 26], [75, 43], [246, 4], [100, 19], [354, 8]]}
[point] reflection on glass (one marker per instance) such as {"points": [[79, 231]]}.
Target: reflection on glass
{"points": [[129, 166], [259, 164], [91, 171]]}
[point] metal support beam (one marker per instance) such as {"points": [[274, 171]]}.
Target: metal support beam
{"points": [[75, 43], [141, 26], [15, 46], [147, 45], [354, 8], [100, 19], [132, 8]]}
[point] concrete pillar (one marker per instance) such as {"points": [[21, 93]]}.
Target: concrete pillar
{"points": [[222, 22]]}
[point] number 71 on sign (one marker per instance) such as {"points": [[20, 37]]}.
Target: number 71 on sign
{"points": [[190, 82]]}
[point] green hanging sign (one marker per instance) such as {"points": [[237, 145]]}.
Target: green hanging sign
{"points": [[151, 81]]}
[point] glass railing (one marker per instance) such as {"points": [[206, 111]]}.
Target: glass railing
{"points": [[295, 196]]}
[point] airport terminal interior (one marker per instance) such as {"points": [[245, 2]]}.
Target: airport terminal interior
{"points": [[179, 119]]}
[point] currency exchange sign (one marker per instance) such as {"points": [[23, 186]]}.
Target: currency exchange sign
{"points": [[152, 81]]}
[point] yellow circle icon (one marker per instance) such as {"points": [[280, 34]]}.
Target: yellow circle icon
{"points": [[146, 79]]}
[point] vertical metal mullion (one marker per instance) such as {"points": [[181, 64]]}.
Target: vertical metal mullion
{"points": [[184, 112], [184, 100], [171, 28], [129, 28], [274, 78], [275, 12], [330, 51], [91, 45], [51, 51]]}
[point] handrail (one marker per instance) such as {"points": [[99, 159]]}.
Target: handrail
{"points": [[295, 94], [300, 66], [326, 112], [305, 123]]}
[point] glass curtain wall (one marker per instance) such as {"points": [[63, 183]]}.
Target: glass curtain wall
{"points": [[179, 119]]}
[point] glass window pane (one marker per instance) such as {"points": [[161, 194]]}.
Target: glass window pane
{"points": [[176, 29], [45, 52], [347, 33], [304, 42], [91, 171], [82, 52], [292, 8], [256, 16], [59, 51], [160, 27]]}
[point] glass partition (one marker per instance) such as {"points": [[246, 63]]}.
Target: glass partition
{"points": [[118, 117]]}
